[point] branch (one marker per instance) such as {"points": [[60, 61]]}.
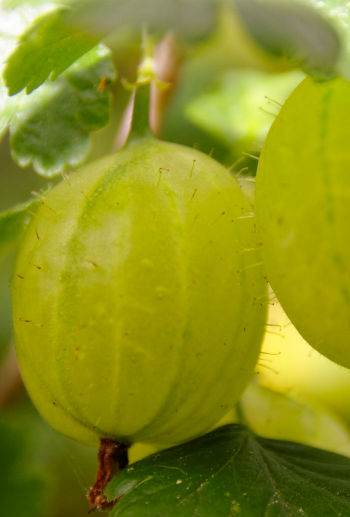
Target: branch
{"points": [[10, 378]]}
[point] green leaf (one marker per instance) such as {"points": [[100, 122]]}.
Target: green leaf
{"points": [[294, 31], [13, 223], [47, 48], [232, 471], [13, 21], [51, 126], [21, 492]]}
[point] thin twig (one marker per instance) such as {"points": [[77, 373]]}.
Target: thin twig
{"points": [[112, 458], [10, 378]]}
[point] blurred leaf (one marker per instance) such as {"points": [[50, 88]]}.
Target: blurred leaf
{"points": [[9, 4], [338, 12], [13, 222], [7, 108], [240, 107], [46, 49], [21, 492], [57, 39], [231, 471], [292, 30], [287, 417], [51, 127]]}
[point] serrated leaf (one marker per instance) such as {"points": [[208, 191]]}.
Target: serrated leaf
{"points": [[47, 48], [232, 471], [21, 492], [13, 223], [294, 31], [51, 126]]}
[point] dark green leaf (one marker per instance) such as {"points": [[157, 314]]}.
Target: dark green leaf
{"points": [[21, 492], [47, 48], [292, 30], [232, 472], [13, 223], [51, 126]]}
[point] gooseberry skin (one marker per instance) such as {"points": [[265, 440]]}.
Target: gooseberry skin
{"points": [[138, 297], [302, 205]]}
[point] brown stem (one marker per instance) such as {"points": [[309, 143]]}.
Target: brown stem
{"points": [[112, 458], [10, 378], [167, 62]]}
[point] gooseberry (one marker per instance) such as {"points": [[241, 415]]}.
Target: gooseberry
{"points": [[139, 298], [302, 204]]}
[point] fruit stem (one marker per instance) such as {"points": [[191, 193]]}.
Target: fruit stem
{"points": [[140, 120], [112, 458], [136, 120], [10, 378]]}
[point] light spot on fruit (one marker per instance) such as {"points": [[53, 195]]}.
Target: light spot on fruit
{"points": [[287, 240], [246, 216], [161, 291]]}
